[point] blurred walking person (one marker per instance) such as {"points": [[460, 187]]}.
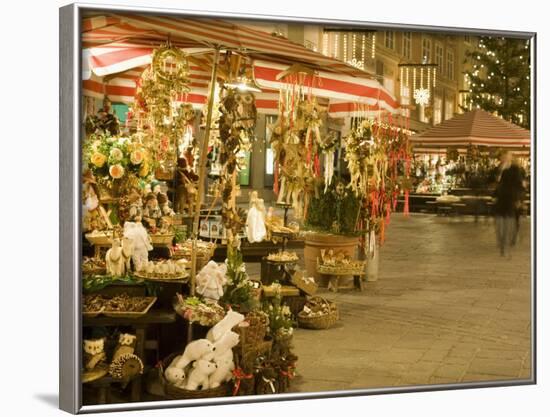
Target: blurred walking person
{"points": [[509, 196]]}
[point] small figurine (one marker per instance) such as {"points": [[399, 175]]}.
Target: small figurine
{"points": [[164, 204], [255, 220], [94, 353], [186, 188], [152, 212], [114, 259], [141, 242]]}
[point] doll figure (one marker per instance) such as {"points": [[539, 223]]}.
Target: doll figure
{"points": [[164, 205], [255, 220], [152, 212]]}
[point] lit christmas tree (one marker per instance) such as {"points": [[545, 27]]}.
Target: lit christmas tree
{"points": [[500, 79]]}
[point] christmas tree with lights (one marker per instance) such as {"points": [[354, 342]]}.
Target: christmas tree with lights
{"points": [[499, 80]]}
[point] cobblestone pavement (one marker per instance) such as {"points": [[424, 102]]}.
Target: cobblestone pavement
{"points": [[446, 308]]}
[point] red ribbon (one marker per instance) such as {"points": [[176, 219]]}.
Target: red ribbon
{"points": [[289, 373], [239, 375]]}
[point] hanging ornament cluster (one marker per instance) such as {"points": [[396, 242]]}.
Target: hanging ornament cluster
{"points": [[351, 47], [296, 141], [164, 120], [236, 123], [378, 157]]}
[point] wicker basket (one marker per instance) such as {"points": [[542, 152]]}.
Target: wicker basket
{"points": [[174, 393], [356, 268], [321, 322], [165, 239], [99, 239]]}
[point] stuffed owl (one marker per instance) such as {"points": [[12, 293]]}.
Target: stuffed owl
{"points": [[94, 353]]}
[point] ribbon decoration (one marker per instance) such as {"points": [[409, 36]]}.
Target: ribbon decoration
{"points": [[239, 375], [270, 382], [289, 373]]}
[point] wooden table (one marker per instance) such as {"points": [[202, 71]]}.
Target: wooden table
{"points": [[140, 325]]}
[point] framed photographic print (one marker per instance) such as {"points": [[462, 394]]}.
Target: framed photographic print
{"points": [[385, 241]]}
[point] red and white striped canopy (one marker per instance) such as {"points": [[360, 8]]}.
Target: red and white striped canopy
{"points": [[118, 48], [476, 127], [345, 92]]}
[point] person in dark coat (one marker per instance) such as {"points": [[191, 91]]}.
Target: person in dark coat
{"points": [[509, 195]]}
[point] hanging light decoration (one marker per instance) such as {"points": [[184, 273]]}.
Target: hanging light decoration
{"points": [[325, 44], [363, 46], [345, 46], [373, 47]]}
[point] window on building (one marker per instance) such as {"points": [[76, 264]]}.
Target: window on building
{"points": [[426, 49], [451, 65], [422, 113], [389, 39], [380, 68], [407, 45], [438, 110], [439, 56], [449, 109]]}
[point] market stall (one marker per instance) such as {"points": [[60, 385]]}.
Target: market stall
{"points": [[152, 293], [461, 155]]}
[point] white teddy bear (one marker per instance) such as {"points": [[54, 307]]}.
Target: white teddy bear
{"points": [[193, 351], [199, 375], [225, 343], [223, 372], [231, 319], [175, 376]]}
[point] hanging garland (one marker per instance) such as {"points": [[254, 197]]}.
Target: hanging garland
{"points": [[161, 120], [236, 124], [378, 157], [296, 141]]}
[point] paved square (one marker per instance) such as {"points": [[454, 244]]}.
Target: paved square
{"points": [[446, 308]]}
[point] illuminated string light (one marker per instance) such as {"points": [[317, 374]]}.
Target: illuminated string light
{"points": [[421, 78], [363, 46], [435, 71], [345, 47], [373, 48], [336, 44], [414, 79], [353, 38], [325, 44]]}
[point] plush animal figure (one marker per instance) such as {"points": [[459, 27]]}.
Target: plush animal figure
{"points": [[126, 345], [175, 375], [231, 319], [114, 260], [94, 353], [199, 375], [223, 372], [193, 351], [141, 241], [211, 279], [127, 252], [225, 343]]}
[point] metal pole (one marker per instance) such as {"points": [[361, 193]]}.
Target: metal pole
{"points": [[202, 171]]}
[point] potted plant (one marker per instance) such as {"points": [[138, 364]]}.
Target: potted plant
{"points": [[331, 223]]}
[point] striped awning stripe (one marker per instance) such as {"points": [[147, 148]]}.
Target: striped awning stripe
{"points": [[121, 43], [476, 127], [347, 92]]}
